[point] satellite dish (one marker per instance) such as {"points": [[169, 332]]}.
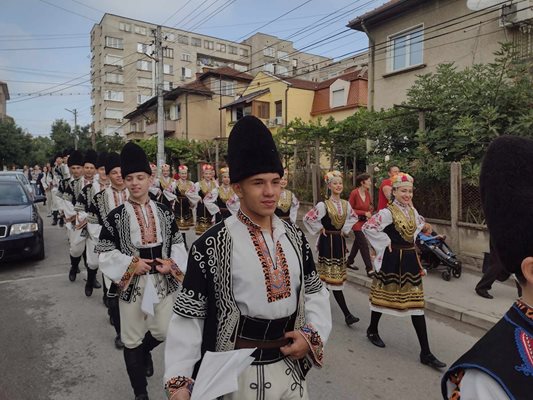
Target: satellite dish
{"points": [[476, 5]]}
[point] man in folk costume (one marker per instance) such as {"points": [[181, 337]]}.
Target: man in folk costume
{"points": [[71, 190], [227, 200], [83, 207], [260, 290], [62, 177], [500, 365], [185, 196], [142, 251], [167, 187], [288, 204], [207, 192], [103, 203]]}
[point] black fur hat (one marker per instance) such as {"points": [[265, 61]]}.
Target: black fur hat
{"points": [[100, 161], [112, 161], [75, 158], [91, 157], [251, 150], [133, 159], [506, 184]]}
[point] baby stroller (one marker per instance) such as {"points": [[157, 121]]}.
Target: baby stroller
{"points": [[438, 255]]}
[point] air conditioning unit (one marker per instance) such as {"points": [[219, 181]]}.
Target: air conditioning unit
{"points": [[278, 120], [516, 13]]}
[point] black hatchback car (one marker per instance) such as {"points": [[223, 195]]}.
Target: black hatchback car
{"points": [[21, 226]]}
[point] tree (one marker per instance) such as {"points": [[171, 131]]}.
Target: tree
{"points": [[15, 145], [62, 135], [42, 150]]}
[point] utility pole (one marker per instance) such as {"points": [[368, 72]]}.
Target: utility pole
{"points": [[160, 101], [75, 112]]}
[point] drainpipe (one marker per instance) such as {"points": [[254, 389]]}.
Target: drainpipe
{"points": [[371, 70], [286, 106], [186, 116]]}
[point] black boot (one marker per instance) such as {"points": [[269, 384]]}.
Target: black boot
{"points": [[61, 222], [134, 359], [149, 343], [54, 216], [96, 284], [74, 263], [91, 276]]}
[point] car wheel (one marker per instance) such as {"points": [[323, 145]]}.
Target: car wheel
{"points": [[40, 254]]}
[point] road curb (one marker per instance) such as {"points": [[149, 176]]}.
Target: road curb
{"points": [[441, 307]]}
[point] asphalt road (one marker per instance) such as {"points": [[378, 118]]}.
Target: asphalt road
{"points": [[57, 344]]}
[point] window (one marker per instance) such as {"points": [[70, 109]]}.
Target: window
{"points": [[141, 30], [141, 98], [196, 42], [209, 44], [279, 108], [269, 68], [225, 88], [244, 52], [113, 113], [337, 99], [175, 111], [406, 49], [262, 109], [183, 39], [169, 36], [240, 67], [111, 59], [143, 48], [232, 50], [111, 130], [221, 47], [167, 86], [185, 57], [269, 52], [283, 55], [282, 70], [144, 65], [115, 43], [113, 96], [168, 69], [124, 27], [186, 72], [168, 52], [114, 78], [144, 82]]}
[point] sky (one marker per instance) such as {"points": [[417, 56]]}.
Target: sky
{"points": [[45, 44]]}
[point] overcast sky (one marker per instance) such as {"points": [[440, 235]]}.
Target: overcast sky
{"points": [[45, 25]]}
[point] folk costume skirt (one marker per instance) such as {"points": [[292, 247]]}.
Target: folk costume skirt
{"points": [[332, 259], [397, 288]]}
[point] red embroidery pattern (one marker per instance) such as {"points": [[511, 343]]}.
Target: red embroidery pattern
{"points": [[178, 383], [126, 278], [314, 341], [528, 311], [119, 197], [148, 233], [277, 276]]}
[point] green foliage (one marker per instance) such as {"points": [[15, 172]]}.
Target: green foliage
{"points": [[62, 135], [15, 145]]}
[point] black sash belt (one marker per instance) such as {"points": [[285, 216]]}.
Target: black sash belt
{"points": [[152, 253]]}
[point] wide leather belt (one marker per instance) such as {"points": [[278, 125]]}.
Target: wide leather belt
{"points": [[151, 253], [242, 343]]}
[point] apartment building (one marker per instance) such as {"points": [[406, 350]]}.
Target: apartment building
{"points": [[123, 73], [4, 97], [279, 57]]}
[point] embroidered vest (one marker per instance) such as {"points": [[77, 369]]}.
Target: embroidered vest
{"points": [[505, 353]]}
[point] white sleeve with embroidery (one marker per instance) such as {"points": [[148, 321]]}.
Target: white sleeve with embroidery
{"points": [[420, 222], [233, 204], [114, 264], [294, 209], [192, 195], [312, 220], [179, 255], [182, 346], [477, 385], [379, 240], [210, 202], [351, 219], [318, 312]]}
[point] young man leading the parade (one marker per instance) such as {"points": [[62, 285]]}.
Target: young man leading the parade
{"points": [[142, 251], [251, 283]]}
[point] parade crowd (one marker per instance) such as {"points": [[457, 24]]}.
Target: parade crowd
{"points": [[250, 279]]}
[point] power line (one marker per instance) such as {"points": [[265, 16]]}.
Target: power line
{"points": [[43, 48], [177, 11], [215, 12], [200, 13], [69, 11]]}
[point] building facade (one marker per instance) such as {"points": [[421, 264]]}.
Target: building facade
{"points": [[412, 37], [123, 73], [4, 97]]}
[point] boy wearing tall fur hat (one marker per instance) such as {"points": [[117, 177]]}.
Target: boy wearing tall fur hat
{"points": [[142, 251], [251, 283], [500, 365]]}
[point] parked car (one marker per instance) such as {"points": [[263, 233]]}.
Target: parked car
{"points": [[21, 226], [22, 178]]}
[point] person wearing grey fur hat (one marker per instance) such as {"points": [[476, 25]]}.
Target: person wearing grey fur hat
{"points": [[500, 365]]}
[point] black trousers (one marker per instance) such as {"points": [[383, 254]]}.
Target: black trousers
{"points": [[360, 244]]}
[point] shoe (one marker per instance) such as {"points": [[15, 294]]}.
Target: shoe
{"points": [[61, 223], [484, 293], [149, 365], [375, 339], [96, 284], [142, 397], [72, 274], [118, 343], [370, 274], [351, 319], [88, 290], [431, 361], [354, 267]]}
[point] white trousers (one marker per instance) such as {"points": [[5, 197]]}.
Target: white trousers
{"points": [[277, 381], [92, 257], [76, 242], [134, 323]]}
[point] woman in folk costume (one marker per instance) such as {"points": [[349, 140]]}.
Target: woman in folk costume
{"points": [[227, 201], [288, 204], [167, 187], [333, 219], [207, 192], [186, 196], [397, 285]]}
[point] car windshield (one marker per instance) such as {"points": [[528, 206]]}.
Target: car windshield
{"points": [[12, 194]]}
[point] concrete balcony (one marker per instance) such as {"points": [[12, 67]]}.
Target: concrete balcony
{"points": [[169, 128]]}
